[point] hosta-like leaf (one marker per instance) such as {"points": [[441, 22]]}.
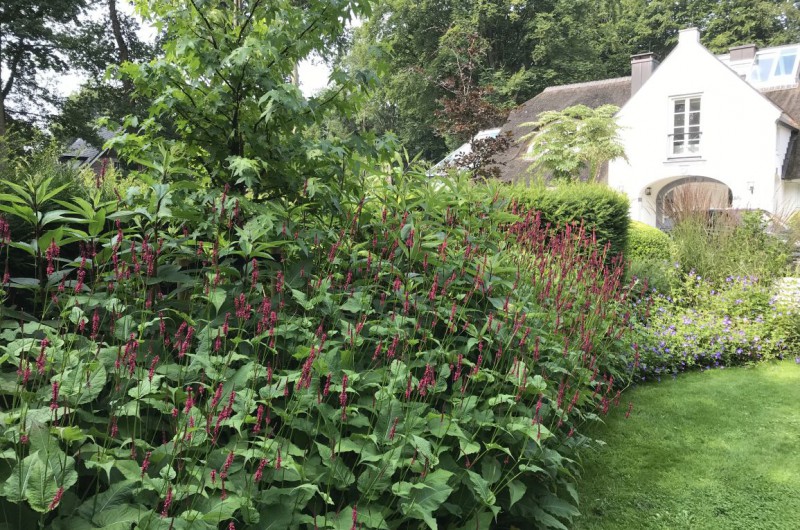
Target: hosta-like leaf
{"points": [[558, 507], [217, 510], [547, 520], [82, 384], [516, 490], [38, 478], [366, 517], [482, 488], [421, 500]]}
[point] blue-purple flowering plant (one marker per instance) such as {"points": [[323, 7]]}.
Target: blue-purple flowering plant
{"points": [[712, 324]]}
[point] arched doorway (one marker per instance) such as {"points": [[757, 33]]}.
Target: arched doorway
{"points": [[687, 195]]}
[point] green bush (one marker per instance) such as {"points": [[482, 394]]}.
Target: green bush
{"points": [[660, 276], [595, 206], [426, 357], [709, 324], [730, 245], [647, 243]]}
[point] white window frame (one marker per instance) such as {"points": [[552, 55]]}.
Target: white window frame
{"points": [[771, 77], [685, 138]]}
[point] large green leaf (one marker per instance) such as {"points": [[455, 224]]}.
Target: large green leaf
{"points": [[482, 488], [516, 490], [421, 500], [38, 478], [82, 384], [98, 506]]}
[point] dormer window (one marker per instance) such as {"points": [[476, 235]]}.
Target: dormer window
{"points": [[774, 68], [685, 137]]}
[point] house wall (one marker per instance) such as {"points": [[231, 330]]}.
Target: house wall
{"points": [[740, 145], [789, 199]]}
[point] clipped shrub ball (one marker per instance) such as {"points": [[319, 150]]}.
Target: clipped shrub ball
{"points": [[647, 243]]}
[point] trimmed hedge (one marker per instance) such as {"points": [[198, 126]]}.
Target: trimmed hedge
{"points": [[647, 243], [600, 208]]}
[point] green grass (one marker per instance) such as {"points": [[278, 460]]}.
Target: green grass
{"points": [[715, 449]]}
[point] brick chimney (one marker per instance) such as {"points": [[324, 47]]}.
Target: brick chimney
{"points": [[642, 67], [743, 53]]}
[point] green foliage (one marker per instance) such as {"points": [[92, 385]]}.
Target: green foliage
{"points": [[706, 324], [41, 37], [646, 242], [653, 25], [32, 39], [528, 45], [223, 98], [596, 207], [729, 246], [565, 143], [649, 252], [656, 275], [429, 360]]}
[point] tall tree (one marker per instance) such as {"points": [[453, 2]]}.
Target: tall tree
{"points": [[32, 38], [223, 95], [653, 25], [99, 48], [526, 46]]}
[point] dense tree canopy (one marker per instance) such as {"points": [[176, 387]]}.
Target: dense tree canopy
{"points": [[32, 35], [223, 94], [105, 42], [44, 37]]}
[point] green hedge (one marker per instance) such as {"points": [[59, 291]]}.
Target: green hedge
{"points": [[600, 208], [647, 243]]}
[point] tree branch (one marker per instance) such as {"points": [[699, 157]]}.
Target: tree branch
{"points": [[247, 22], [12, 74], [207, 23]]}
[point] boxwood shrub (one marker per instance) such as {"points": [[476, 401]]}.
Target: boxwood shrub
{"points": [[595, 206], [647, 243]]}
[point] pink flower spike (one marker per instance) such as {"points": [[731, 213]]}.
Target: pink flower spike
{"points": [[56, 499]]}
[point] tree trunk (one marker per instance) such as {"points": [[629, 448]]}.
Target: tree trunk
{"points": [[2, 104], [2, 121], [122, 47]]}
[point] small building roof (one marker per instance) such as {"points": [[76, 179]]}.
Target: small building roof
{"points": [[465, 149], [83, 152]]}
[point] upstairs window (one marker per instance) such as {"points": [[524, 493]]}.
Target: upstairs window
{"points": [[774, 68], [685, 137]]}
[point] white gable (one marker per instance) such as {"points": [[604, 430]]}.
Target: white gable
{"points": [[696, 117]]}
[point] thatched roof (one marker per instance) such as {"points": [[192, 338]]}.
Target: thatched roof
{"points": [[513, 165], [789, 100]]}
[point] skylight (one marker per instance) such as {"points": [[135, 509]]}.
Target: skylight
{"points": [[775, 67]]}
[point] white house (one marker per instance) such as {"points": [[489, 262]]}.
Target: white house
{"points": [[697, 126]]}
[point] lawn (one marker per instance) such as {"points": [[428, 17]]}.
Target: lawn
{"points": [[714, 449]]}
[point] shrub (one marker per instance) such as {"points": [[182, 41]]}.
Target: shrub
{"points": [[728, 245], [595, 206], [647, 243], [656, 274], [214, 361], [712, 324]]}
